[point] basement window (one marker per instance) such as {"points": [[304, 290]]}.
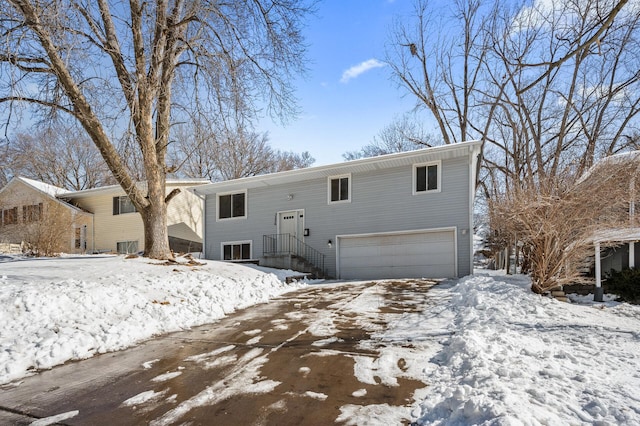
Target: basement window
{"points": [[240, 250]]}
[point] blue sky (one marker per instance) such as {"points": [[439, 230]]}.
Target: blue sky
{"points": [[344, 103]]}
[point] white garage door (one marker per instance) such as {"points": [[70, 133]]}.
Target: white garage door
{"points": [[428, 254]]}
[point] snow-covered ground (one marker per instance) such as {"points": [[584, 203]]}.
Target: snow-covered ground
{"points": [[57, 309], [490, 351]]}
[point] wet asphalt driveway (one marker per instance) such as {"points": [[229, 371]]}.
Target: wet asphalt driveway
{"points": [[298, 360]]}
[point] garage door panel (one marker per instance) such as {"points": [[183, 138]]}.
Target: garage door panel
{"points": [[406, 255]]}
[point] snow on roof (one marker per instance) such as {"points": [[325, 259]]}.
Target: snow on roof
{"points": [[117, 189], [616, 159], [616, 235], [52, 190]]}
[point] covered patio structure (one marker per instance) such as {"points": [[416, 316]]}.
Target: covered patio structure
{"points": [[609, 238]]}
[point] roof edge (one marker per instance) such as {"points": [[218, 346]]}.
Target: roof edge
{"points": [[474, 145]]}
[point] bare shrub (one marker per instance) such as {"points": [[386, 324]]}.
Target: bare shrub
{"points": [[50, 235], [556, 219]]}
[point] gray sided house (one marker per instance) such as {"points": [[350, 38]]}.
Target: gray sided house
{"points": [[404, 215]]}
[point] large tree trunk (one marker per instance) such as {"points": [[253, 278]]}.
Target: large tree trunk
{"points": [[156, 238]]}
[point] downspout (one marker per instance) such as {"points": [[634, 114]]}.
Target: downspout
{"points": [[204, 220]]}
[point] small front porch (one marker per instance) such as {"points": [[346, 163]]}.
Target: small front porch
{"points": [[285, 251]]}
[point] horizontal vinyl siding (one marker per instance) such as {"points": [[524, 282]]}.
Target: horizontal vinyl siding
{"points": [[185, 208], [109, 229], [381, 201]]}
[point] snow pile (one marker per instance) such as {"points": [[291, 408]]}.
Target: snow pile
{"points": [[55, 310], [518, 358]]}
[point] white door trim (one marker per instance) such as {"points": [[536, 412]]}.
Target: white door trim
{"points": [[299, 222]]}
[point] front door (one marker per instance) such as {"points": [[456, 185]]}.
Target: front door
{"points": [[292, 223]]}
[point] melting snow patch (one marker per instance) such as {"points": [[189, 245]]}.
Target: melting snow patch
{"points": [[166, 376], [325, 342], [143, 398], [148, 364], [359, 393], [254, 340], [316, 395], [55, 419]]}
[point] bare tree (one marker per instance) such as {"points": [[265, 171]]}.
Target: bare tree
{"points": [[61, 156], [548, 89], [5, 160], [222, 154], [114, 65], [557, 218], [403, 134], [441, 66]]}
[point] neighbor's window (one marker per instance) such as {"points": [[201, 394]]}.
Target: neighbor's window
{"points": [[426, 178], [10, 216], [339, 189], [127, 247], [236, 251], [122, 205], [78, 238], [232, 205], [32, 213]]}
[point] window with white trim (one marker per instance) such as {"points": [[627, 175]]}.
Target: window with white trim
{"points": [[426, 178], [339, 189], [240, 250], [232, 205]]}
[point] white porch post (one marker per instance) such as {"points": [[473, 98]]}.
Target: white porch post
{"points": [[632, 254], [598, 292]]}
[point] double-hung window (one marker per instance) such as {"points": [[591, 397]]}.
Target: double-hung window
{"points": [[339, 188], [426, 178], [232, 205]]}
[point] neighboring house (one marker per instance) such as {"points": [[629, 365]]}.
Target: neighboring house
{"points": [[617, 247], [31, 215], [400, 215], [118, 227]]}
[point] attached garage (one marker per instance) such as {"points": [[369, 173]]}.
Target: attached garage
{"points": [[409, 254]]}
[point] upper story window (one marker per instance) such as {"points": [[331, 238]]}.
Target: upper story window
{"points": [[232, 205], [32, 213], [339, 189], [122, 205], [10, 216], [426, 178]]}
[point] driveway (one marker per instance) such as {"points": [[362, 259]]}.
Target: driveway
{"points": [[316, 356]]}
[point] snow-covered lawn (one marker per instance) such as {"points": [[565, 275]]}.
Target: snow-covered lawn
{"points": [[490, 351], [55, 310], [514, 357]]}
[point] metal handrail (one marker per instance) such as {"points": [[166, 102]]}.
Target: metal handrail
{"points": [[285, 244]]}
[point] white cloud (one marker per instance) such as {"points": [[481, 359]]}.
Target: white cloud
{"points": [[361, 68]]}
